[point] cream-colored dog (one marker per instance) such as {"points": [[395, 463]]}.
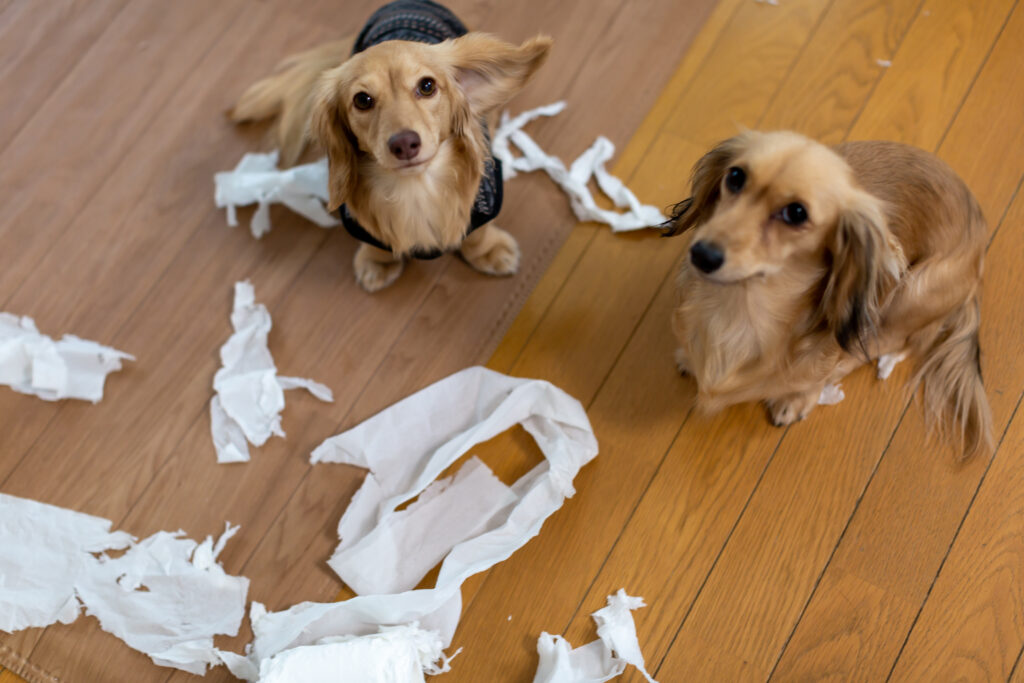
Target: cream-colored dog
{"points": [[806, 261]]}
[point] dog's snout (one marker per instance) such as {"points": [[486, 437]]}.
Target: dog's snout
{"points": [[707, 256], [405, 145]]}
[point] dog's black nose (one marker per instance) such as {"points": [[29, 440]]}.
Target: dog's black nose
{"points": [[707, 256], [405, 145]]}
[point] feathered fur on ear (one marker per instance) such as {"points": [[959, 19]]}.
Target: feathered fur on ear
{"points": [[866, 262], [490, 71], [328, 124], [706, 184]]}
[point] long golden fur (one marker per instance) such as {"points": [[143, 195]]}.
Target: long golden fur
{"points": [[807, 261], [418, 204]]}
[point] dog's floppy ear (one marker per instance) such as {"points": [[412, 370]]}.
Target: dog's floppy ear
{"points": [[490, 71], [866, 261], [706, 186], [329, 125]]}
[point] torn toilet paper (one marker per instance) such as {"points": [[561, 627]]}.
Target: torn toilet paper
{"points": [[257, 180], [573, 181], [887, 362], [249, 394], [166, 596], [601, 660], [33, 363], [447, 418], [399, 654]]}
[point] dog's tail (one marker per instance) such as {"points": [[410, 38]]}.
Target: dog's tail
{"points": [[288, 95], [950, 370]]}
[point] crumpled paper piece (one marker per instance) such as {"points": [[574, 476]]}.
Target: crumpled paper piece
{"points": [[600, 660], [33, 363], [249, 394], [398, 654], [574, 180], [166, 596], [257, 180], [406, 447]]}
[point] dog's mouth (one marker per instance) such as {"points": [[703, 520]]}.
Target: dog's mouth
{"points": [[717, 279], [414, 165]]}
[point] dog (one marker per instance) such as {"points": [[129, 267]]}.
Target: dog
{"points": [[403, 113], [805, 262]]}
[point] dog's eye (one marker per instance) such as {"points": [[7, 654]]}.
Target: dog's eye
{"points": [[793, 214], [427, 87], [363, 101], [735, 178]]}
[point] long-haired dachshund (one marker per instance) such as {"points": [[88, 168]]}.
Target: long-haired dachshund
{"points": [[402, 112], [807, 261]]}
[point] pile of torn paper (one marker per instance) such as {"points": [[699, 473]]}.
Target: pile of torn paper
{"points": [[303, 189], [165, 596]]}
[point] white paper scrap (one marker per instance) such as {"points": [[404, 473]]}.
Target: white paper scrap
{"points": [[257, 180], [831, 394], [406, 447], [249, 394], [399, 654], [166, 596], [33, 363], [887, 362], [573, 181], [600, 660]]}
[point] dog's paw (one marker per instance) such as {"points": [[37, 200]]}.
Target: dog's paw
{"points": [[682, 362], [374, 276], [496, 254], [786, 411]]}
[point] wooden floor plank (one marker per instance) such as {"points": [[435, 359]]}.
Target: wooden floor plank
{"points": [[68, 150], [41, 43], [880, 549], [972, 627]]}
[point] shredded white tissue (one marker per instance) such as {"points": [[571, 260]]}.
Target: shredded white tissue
{"points": [[33, 363], [887, 362], [406, 447], [249, 394], [831, 394], [885, 63], [166, 596], [257, 180], [574, 180], [399, 654], [601, 660]]}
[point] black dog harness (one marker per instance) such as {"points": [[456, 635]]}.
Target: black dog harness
{"points": [[423, 21]]}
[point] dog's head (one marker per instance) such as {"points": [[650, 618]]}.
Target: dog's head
{"points": [[397, 103], [765, 203]]}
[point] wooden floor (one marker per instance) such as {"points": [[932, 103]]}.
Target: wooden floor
{"points": [[847, 547]]}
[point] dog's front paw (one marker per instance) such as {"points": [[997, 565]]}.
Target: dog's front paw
{"points": [[373, 275], [790, 409], [494, 252]]}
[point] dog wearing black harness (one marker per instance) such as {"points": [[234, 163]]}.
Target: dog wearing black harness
{"points": [[403, 113]]}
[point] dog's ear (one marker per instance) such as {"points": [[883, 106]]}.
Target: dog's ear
{"points": [[490, 71], [866, 261], [329, 125], [705, 184]]}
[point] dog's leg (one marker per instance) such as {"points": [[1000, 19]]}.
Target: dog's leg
{"points": [[491, 250], [375, 268], [792, 407]]}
